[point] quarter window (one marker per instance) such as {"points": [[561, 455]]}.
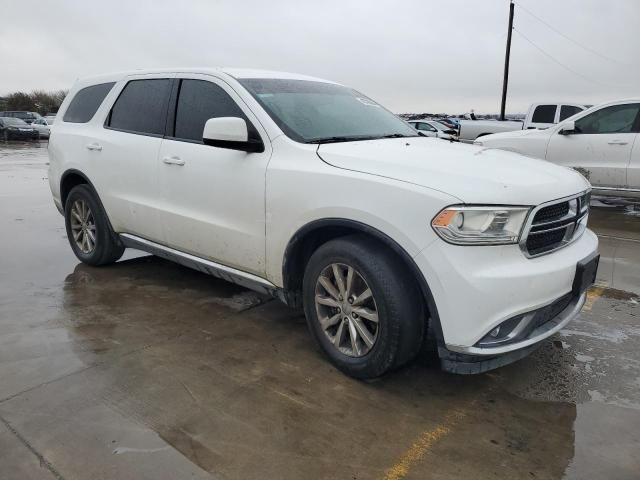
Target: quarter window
{"points": [[544, 114], [199, 101], [86, 102], [141, 107], [613, 119]]}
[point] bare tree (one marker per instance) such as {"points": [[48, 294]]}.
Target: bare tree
{"points": [[37, 101]]}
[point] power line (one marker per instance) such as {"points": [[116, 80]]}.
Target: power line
{"points": [[555, 60], [575, 42]]}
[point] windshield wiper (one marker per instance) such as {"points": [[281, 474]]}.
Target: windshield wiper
{"points": [[398, 135], [355, 138], [347, 138]]}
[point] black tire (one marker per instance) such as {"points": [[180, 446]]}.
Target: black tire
{"points": [[107, 248], [400, 311]]}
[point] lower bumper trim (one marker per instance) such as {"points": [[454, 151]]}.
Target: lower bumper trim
{"points": [[462, 364]]}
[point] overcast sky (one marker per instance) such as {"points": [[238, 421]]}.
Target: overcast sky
{"points": [[410, 55]]}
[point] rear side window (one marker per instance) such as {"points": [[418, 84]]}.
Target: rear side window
{"points": [[544, 114], [86, 102], [567, 111], [199, 101], [141, 107]]}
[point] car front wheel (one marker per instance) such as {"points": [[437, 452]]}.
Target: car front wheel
{"points": [[362, 306]]}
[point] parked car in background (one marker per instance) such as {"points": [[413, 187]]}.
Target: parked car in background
{"points": [[16, 129], [25, 116], [601, 143], [539, 115], [454, 121], [447, 123], [314, 193], [42, 126], [50, 118], [431, 128]]}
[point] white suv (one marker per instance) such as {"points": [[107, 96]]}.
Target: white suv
{"points": [[313, 192]]}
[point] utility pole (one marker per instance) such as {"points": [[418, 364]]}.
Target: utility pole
{"points": [[506, 62]]}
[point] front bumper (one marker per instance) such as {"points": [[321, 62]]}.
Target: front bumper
{"points": [[476, 289], [468, 360], [18, 135]]}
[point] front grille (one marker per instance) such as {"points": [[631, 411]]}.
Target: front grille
{"points": [[540, 243], [552, 212], [555, 225]]}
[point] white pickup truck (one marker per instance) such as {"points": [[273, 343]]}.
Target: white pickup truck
{"points": [[540, 115]]}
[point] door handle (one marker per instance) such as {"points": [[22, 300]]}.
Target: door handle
{"points": [[617, 142], [173, 161], [94, 146]]}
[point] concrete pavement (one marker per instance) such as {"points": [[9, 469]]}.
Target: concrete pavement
{"points": [[146, 369]]}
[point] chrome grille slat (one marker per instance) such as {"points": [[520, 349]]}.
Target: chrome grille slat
{"points": [[553, 225]]}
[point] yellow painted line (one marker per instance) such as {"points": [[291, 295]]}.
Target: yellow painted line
{"points": [[593, 294], [423, 445]]}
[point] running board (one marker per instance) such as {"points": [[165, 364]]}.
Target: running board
{"points": [[217, 270]]}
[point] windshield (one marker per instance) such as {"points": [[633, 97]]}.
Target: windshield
{"points": [[319, 112], [439, 126], [14, 121]]}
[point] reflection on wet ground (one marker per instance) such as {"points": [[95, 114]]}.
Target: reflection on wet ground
{"points": [[145, 369]]}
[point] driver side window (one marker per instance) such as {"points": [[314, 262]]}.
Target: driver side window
{"points": [[613, 119]]}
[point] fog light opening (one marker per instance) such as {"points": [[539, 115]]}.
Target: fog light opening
{"points": [[507, 331]]}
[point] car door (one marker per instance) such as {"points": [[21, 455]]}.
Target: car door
{"points": [[41, 126], [123, 154], [213, 198], [600, 147]]}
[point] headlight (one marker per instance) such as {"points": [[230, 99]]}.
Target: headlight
{"points": [[472, 225]]}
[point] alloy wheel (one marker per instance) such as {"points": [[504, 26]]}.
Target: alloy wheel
{"points": [[83, 226], [346, 310]]}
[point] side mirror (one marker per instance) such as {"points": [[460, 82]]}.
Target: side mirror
{"points": [[422, 134], [231, 133], [568, 128]]}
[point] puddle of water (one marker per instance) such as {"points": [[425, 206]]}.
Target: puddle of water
{"points": [[606, 437], [615, 216]]}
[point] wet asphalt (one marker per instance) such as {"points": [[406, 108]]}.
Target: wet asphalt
{"points": [[148, 370]]}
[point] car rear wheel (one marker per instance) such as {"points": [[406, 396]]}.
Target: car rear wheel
{"points": [[362, 307], [88, 230]]}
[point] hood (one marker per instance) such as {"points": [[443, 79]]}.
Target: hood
{"points": [[472, 174]]}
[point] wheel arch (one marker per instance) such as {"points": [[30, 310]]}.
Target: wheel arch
{"points": [[310, 236], [72, 178]]}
